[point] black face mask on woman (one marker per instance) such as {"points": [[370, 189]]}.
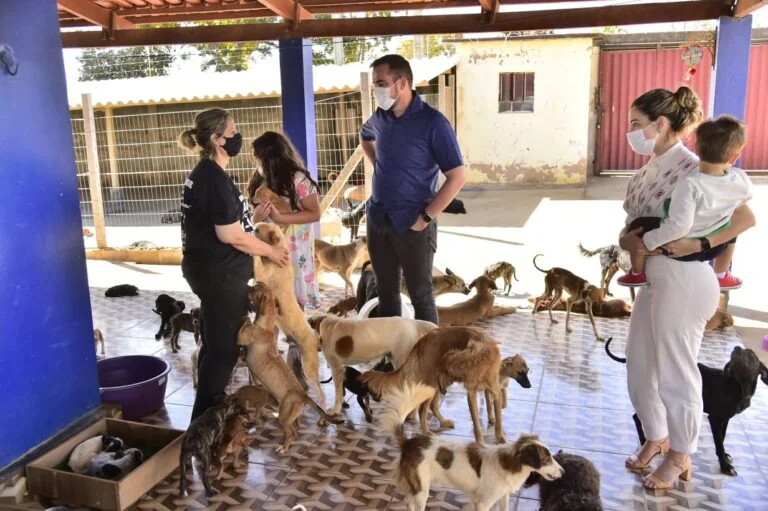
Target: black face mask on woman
{"points": [[233, 144]]}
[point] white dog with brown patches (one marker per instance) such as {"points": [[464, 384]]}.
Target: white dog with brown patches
{"points": [[487, 474], [355, 341]]}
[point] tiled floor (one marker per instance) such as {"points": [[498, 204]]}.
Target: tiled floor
{"points": [[578, 402]]}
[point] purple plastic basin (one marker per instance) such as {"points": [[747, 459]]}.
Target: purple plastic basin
{"points": [[136, 382]]}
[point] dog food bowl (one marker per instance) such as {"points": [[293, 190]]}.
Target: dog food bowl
{"points": [[765, 343], [406, 311], [136, 382]]}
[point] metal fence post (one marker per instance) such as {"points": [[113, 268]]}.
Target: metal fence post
{"points": [[367, 111], [94, 174]]}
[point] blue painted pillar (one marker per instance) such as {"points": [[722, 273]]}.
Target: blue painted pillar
{"points": [[298, 98], [47, 360], [729, 81]]}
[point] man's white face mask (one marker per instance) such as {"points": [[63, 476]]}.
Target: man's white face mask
{"points": [[384, 100]]}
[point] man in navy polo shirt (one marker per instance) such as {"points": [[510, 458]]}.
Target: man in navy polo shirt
{"points": [[409, 144]]}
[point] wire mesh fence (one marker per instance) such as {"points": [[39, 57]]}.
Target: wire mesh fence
{"points": [[142, 168]]}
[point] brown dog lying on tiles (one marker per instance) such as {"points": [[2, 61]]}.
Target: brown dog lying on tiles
{"points": [[341, 259], [267, 366], [477, 307], [557, 280], [615, 308], [442, 284], [290, 317], [444, 356]]}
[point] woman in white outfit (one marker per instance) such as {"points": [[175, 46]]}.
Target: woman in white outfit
{"points": [[669, 315]]}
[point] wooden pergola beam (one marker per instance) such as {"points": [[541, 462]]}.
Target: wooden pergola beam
{"points": [[95, 14], [490, 8], [288, 9], [445, 24], [746, 7], [358, 6]]}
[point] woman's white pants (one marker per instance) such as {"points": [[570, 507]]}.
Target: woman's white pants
{"points": [[665, 333]]}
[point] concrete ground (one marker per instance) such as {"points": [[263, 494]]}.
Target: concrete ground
{"points": [[515, 225]]}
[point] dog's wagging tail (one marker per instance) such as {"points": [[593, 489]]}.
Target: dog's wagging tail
{"points": [[608, 351], [536, 265]]}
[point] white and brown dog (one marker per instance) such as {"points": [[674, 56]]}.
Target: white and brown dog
{"points": [[290, 317], [354, 341], [488, 474]]}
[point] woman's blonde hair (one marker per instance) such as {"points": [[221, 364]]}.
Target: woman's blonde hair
{"points": [[209, 122], [682, 108]]}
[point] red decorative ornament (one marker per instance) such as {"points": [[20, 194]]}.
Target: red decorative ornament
{"points": [[692, 71]]}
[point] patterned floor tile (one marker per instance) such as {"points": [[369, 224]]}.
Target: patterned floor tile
{"points": [[577, 402]]}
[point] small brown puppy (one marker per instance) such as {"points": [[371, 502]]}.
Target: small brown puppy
{"points": [[557, 280], [98, 338], [267, 366], [187, 322], [253, 399], [234, 441], [514, 368], [343, 307], [504, 270], [477, 307], [341, 259], [264, 193]]}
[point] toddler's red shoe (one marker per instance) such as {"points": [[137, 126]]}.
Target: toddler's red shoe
{"points": [[729, 282], [632, 280]]}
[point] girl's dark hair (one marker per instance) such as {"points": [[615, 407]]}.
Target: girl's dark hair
{"points": [[209, 122], [279, 161], [682, 108]]}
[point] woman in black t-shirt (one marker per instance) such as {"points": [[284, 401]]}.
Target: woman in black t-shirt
{"points": [[217, 244]]}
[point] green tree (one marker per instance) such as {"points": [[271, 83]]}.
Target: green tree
{"points": [[356, 49], [232, 56], [610, 30], [435, 47], [138, 62]]}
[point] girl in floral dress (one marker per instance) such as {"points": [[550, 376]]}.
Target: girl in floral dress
{"points": [[281, 169]]}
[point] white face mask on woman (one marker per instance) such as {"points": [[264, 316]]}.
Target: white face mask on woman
{"points": [[384, 100], [639, 143]]}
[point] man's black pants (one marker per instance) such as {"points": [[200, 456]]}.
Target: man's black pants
{"points": [[414, 253], [223, 303]]}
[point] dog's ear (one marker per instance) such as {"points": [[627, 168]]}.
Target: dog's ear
{"points": [[473, 283], [277, 306], [492, 285], [315, 322], [534, 455], [272, 238], [449, 272]]}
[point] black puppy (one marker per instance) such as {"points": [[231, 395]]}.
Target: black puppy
{"points": [[351, 220], [577, 490], [726, 393], [166, 307], [121, 290], [367, 288], [202, 438], [456, 207], [353, 384]]}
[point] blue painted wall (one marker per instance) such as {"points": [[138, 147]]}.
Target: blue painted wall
{"points": [[729, 80], [298, 98], [47, 361]]}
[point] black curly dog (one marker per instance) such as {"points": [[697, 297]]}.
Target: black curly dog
{"points": [[577, 490], [726, 393], [353, 384], [166, 307]]}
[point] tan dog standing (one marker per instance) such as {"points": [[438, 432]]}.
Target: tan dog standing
{"points": [[557, 280], [512, 368], [477, 307], [290, 317], [267, 366], [341, 259]]}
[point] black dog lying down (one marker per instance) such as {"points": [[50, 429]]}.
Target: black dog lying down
{"points": [[121, 290], [166, 307], [353, 384], [577, 490], [726, 393]]}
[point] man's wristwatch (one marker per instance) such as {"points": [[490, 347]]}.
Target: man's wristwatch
{"points": [[425, 216], [705, 244]]}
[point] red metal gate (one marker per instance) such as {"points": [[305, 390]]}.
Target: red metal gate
{"points": [[625, 74]]}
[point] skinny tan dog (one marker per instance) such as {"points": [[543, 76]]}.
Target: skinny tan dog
{"points": [[267, 366], [98, 338], [343, 307], [442, 284], [341, 259], [442, 357], [477, 307], [512, 368], [504, 270], [234, 441], [557, 280], [290, 317]]}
